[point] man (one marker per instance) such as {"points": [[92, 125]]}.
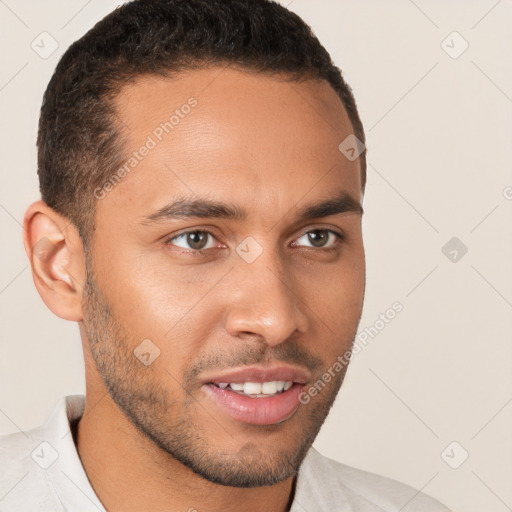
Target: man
{"points": [[202, 168]]}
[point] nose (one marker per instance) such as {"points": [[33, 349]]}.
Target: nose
{"points": [[264, 304]]}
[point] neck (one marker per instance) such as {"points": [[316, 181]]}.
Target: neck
{"points": [[129, 472]]}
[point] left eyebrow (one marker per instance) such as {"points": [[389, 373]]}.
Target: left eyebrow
{"points": [[206, 208], [340, 203]]}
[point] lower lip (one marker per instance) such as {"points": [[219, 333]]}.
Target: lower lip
{"points": [[257, 411]]}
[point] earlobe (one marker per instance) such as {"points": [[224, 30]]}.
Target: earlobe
{"points": [[55, 251]]}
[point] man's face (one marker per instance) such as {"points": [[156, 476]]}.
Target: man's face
{"points": [[179, 295]]}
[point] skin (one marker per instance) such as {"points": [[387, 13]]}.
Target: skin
{"points": [[149, 434]]}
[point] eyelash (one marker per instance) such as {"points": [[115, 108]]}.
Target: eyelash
{"points": [[340, 238]]}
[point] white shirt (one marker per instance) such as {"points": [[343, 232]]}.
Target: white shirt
{"points": [[41, 471]]}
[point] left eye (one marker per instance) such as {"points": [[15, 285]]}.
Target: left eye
{"points": [[196, 240], [319, 238]]}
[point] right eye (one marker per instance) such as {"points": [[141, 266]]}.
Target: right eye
{"points": [[192, 240]]}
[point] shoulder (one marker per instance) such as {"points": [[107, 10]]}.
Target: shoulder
{"points": [[24, 482], [37, 464], [323, 482]]}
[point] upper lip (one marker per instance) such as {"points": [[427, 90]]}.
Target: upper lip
{"points": [[261, 374]]}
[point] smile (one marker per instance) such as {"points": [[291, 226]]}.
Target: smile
{"points": [[256, 403], [257, 389]]}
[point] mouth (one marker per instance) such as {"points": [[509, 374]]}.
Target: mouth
{"points": [[257, 389], [257, 395]]}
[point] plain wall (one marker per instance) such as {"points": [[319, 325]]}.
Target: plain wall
{"points": [[439, 157]]}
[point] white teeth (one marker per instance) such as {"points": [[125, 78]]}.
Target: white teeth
{"points": [[269, 388], [259, 389], [252, 388]]}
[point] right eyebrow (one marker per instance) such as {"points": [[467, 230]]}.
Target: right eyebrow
{"points": [[202, 208]]}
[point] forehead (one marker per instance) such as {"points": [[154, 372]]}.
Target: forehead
{"points": [[225, 132]]}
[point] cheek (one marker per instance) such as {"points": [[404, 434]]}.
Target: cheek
{"points": [[167, 304], [336, 288], [333, 298], [150, 290]]}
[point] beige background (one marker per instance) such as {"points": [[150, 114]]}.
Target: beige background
{"points": [[439, 139]]}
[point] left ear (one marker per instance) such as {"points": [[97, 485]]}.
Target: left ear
{"points": [[57, 259]]}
